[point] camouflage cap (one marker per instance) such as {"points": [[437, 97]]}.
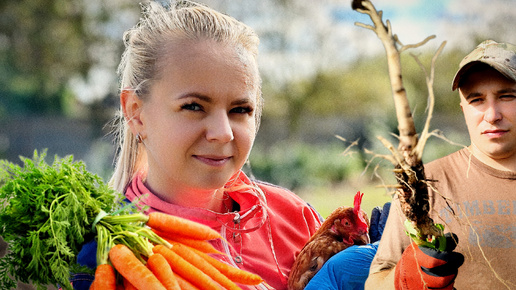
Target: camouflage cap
{"points": [[500, 56]]}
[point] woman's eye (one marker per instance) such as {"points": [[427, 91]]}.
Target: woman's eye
{"points": [[241, 110], [192, 107]]}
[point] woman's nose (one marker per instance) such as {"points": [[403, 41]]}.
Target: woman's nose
{"points": [[219, 128]]}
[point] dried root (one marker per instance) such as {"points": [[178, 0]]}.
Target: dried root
{"points": [[406, 157]]}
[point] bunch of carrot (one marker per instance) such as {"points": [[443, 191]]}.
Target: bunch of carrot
{"points": [[174, 253]]}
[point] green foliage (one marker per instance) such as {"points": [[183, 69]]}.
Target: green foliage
{"points": [[49, 211], [436, 243], [45, 215], [362, 90], [295, 165], [43, 44]]}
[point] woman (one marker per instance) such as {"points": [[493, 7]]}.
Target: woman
{"points": [[191, 105]]}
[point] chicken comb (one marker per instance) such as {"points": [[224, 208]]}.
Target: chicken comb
{"points": [[357, 202], [356, 208]]}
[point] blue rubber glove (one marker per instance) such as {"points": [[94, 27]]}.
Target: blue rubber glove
{"points": [[348, 269], [378, 220], [86, 257]]}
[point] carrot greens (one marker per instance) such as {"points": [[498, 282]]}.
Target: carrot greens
{"points": [[46, 212]]}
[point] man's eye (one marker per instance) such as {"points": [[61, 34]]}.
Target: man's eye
{"points": [[192, 107], [476, 100], [508, 97]]}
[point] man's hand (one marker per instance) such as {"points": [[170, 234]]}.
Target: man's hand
{"points": [[378, 219], [425, 268]]}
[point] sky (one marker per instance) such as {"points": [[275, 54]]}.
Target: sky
{"points": [[458, 22], [452, 20], [322, 34]]}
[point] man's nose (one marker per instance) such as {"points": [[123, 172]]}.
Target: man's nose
{"points": [[492, 114]]}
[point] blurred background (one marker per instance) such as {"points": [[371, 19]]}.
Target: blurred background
{"points": [[323, 77]]}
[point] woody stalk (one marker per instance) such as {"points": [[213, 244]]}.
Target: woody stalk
{"points": [[407, 157]]}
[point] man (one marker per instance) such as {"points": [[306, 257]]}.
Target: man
{"points": [[474, 191]]}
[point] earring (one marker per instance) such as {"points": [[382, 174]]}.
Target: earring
{"points": [[139, 138]]}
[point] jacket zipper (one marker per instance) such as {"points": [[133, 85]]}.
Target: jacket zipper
{"points": [[228, 252]]}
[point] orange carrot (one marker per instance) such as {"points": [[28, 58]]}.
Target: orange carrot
{"points": [[179, 226], [128, 285], [185, 269], [104, 278], [193, 258], [185, 285], [161, 269], [201, 245], [236, 275], [126, 263]]}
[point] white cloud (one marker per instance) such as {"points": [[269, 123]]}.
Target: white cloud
{"points": [[96, 86], [458, 22]]}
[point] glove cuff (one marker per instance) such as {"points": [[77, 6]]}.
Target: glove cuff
{"points": [[415, 260]]}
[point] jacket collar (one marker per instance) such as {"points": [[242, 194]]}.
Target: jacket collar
{"points": [[251, 215]]}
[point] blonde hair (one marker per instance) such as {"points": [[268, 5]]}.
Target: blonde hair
{"points": [[144, 47]]}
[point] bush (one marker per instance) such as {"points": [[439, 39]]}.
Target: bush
{"points": [[300, 165]]}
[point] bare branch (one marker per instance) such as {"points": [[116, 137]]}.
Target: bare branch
{"points": [[389, 158], [408, 46], [364, 25], [414, 194], [431, 101]]}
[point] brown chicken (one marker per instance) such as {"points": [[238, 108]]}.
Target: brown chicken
{"points": [[345, 227]]}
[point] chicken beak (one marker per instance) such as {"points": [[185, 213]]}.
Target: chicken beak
{"points": [[366, 238], [362, 239]]}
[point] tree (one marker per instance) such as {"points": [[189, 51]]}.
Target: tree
{"points": [[46, 43]]}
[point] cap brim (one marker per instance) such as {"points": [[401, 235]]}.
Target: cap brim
{"points": [[497, 66]]}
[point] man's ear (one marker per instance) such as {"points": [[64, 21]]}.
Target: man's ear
{"points": [[131, 108]]}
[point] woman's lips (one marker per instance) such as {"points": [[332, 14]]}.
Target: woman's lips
{"points": [[213, 160]]}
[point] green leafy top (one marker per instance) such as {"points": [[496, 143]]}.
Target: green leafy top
{"points": [[433, 242], [46, 213]]}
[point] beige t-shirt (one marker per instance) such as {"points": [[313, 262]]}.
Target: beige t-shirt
{"points": [[480, 207]]}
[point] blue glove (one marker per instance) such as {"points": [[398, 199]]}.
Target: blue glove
{"points": [[348, 269], [378, 220], [86, 257]]}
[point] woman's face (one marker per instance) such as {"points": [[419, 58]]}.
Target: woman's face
{"points": [[198, 122]]}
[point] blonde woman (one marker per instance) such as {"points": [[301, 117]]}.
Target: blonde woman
{"points": [[191, 102]]}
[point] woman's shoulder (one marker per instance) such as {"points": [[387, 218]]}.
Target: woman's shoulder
{"points": [[278, 192], [264, 185], [284, 199]]}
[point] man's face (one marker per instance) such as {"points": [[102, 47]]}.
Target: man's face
{"points": [[488, 101]]}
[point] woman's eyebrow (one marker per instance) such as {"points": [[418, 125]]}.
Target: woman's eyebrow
{"points": [[242, 101], [197, 96]]}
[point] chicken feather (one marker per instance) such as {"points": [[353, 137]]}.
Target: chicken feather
{"points": [[346, 226]]}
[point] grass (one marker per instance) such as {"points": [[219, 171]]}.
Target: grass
{"points": [[326, 200]]}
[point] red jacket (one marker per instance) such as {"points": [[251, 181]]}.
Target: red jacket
{"points": [[263, 237]]}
